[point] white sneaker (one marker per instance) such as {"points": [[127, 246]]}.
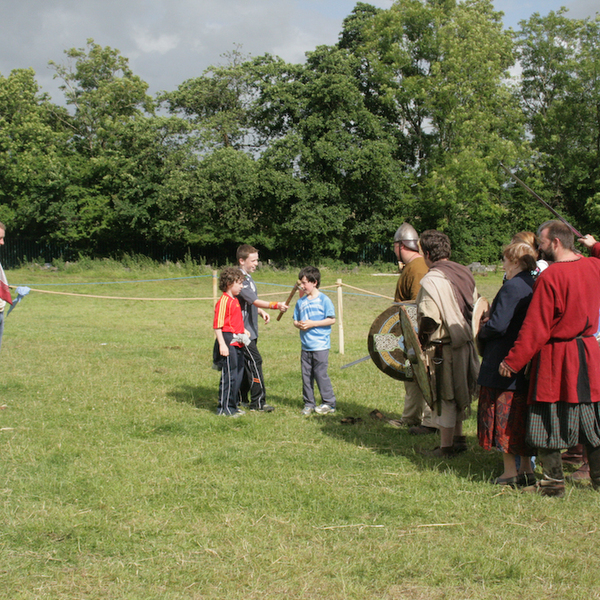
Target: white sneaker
{"points": [[307, 410], [325, 409]]}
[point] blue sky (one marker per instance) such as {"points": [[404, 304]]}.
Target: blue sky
{"points": [[169, 41]]}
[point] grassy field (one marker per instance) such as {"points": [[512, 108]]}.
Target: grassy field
{"points": [[118, 480]]}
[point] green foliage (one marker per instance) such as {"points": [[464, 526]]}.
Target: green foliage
{"points": [[405, 118], [560, 98], [32, 150], [444, 64]]}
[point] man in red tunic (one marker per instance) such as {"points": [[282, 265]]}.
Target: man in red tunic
{"points": [[558, 337]]}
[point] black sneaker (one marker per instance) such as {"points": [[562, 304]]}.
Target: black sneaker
{"points": [[263, 408]]}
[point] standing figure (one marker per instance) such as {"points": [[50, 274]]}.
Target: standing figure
{"points": [[417, 415], [445, 311], [4, 289], [229, 329], [252, 307], [314, 315], [557, 336], [502, 410]]}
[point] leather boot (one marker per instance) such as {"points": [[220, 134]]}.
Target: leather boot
{"points": [[553, 482], [574, 455], [440, 452], [583, 473], [459, 444], [593, 455]]}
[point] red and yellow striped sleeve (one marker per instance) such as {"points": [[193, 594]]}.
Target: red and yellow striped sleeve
{"points": [[221, 312]]}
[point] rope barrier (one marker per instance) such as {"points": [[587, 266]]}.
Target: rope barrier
{"points": [[126, 297], [74, 294], [367, 292], [124, 281]]}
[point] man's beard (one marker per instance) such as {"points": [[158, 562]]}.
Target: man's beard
{"points": [[548, 255]]}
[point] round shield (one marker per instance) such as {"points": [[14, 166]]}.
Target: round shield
{"points": [[417, 359], [386, 342]]}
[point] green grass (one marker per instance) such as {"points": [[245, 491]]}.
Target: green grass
{"points": [[117, 479]]}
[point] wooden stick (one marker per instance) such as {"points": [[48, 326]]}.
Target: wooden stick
{"points": [[340, 319], [554, 212], [289, 299]]}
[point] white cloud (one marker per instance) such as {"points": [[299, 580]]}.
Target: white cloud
{"points": [[169, 41], [147, 43]]}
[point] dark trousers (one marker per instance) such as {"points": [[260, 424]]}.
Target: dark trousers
{"points": [[253, 381], [313, 365], [232, 373]]}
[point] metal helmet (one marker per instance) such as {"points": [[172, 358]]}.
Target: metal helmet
{"points": [[408, 235]]}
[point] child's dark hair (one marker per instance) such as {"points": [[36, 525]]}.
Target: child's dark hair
{"points": [[229, 276], [312, 274], [244, 251]]}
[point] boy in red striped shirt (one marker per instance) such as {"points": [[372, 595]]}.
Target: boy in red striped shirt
{"points": [[229, 329]]}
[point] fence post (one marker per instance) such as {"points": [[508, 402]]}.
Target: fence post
{"points": [[215, 286], [340, 311]]}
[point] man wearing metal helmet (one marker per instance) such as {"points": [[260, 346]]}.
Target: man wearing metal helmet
{"points": [[417, 415]]}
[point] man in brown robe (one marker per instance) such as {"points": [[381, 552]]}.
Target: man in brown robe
{"points": [[445, 309]]}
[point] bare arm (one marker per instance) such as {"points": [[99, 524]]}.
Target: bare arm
{"points": [[262, 304]]}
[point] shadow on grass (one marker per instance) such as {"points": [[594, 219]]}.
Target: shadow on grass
{"points": [[382, 437], [199, 396], [205, 398], [378, 435]]}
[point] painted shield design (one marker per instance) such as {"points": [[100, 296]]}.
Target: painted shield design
{"points": [[386, 341], [417, 358]]}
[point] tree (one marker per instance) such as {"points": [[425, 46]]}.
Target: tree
{"points": [[334, 160], [560, 97], [32, 152], [216, 104], [120, 153], [443, 65]]}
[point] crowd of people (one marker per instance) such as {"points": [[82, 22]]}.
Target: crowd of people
{"points": [[538, 380], [539, 377]]}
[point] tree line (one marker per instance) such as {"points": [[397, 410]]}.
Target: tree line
{"points": [[407, 117]]}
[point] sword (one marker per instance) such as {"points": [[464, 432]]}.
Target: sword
{"points": [[296, 286], [554, 212], [357, 361]]}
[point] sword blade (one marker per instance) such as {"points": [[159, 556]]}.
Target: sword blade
{"points": [[357, 361], [554, 212]]}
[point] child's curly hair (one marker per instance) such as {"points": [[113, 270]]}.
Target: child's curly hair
{"points": [[229, 276]]}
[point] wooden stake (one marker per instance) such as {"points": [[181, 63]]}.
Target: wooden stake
{"points": [[340, 319]]}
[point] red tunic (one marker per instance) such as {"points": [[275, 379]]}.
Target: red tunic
{"points": [[228, 315], [558, 334]]}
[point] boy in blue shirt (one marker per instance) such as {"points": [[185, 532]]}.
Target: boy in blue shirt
{"points": [[314, 315]]}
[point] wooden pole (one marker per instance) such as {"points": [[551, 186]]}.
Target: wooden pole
{"points": [[215, 286], [294, 289], [340, 318]]}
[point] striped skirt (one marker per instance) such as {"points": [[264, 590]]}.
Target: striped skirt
{"points": [[562, 425]]}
